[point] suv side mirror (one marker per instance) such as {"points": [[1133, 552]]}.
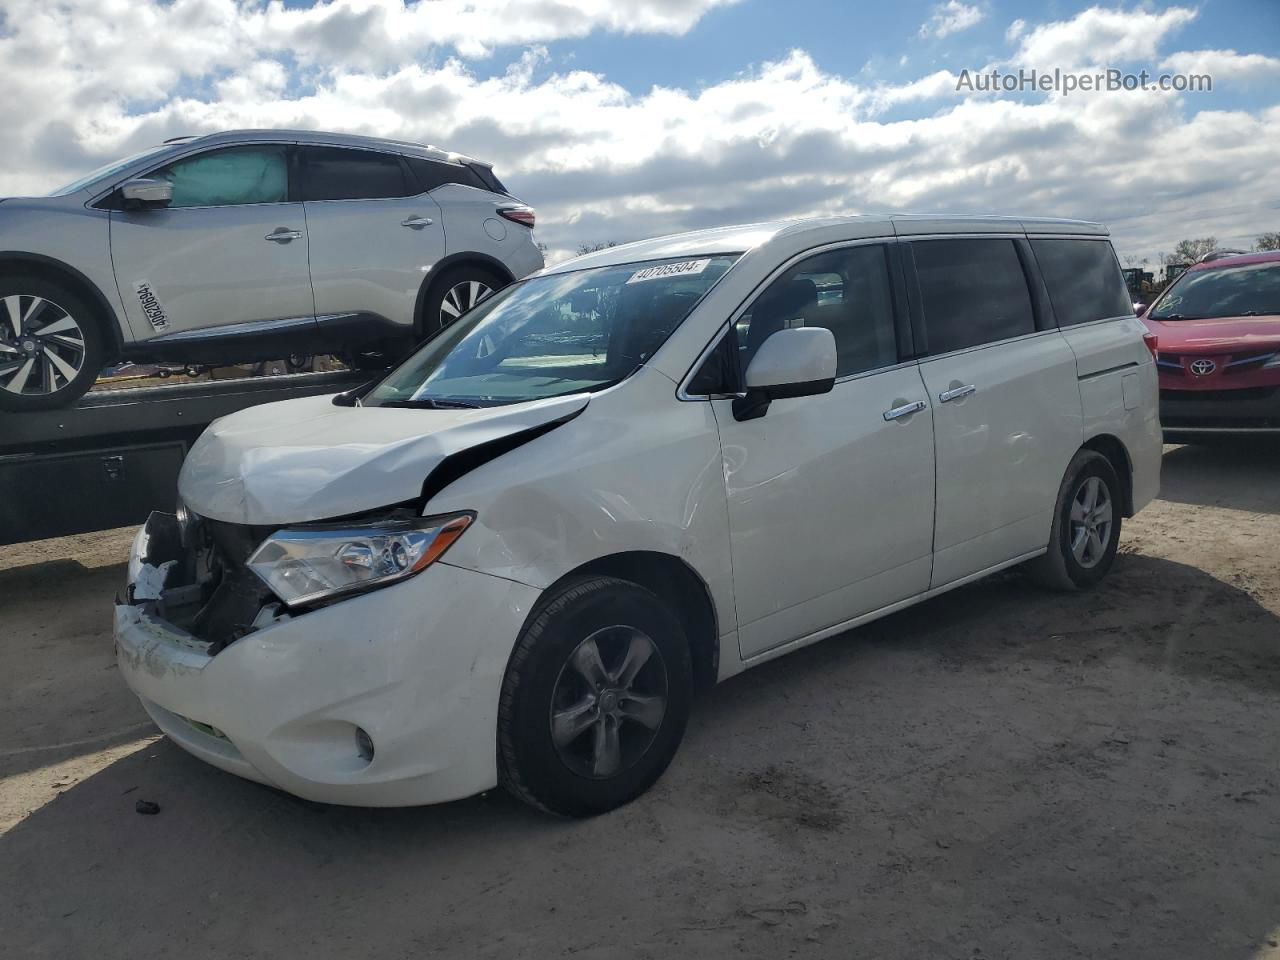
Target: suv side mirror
{"points": [[146, 194], [1138, 307], [795, 362]]}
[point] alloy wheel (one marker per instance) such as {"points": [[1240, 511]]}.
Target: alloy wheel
{"points": [[460, 298], [42, 346], [1091, 516], [609, 701]]}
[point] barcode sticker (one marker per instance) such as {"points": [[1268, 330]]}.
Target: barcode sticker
{"points": [[684, 268]]}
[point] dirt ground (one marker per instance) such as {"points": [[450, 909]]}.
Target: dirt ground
{"points": [[997, 773]]}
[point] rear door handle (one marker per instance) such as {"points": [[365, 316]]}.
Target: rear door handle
{"points": [[283, 235], [905, 410], [946, 396], [416, 222]]}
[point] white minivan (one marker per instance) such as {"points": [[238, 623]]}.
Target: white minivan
{"points": [[515, 557]]}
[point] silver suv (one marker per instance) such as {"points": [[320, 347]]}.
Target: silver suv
{"points": [[249, 245]]}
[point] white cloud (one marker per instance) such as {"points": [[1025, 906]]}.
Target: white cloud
{"points": [[1015, 30], [951, 17], [939, 84], [1100, 36], [1225, 65], [781, 139], [384, 31]]}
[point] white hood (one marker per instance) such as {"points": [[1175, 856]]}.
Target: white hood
{"points": [[306, 459]]}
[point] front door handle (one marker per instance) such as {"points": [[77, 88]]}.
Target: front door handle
{"points": [[905, 410], [416, 222], [283, 235], [955, 393]]}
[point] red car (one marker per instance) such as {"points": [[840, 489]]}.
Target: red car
{"points": [[1217, 331]]}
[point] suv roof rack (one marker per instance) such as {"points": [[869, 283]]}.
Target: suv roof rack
{"points": [[1213, 255]]}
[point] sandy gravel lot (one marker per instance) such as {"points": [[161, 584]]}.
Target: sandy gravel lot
{"points": [[997, 773]]}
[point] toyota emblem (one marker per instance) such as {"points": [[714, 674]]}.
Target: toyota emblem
{"points": [[1203, 367]]}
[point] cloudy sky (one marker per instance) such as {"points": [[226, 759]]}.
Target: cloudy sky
{"points": [[620, 119]]}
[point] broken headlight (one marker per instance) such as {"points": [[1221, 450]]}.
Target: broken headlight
{"points": [[308, 563]]}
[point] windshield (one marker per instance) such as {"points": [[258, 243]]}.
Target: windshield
{"points": [[1249, 290], [106, 170], [552, 335]]}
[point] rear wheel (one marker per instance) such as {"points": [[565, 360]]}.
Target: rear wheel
{"points": [[1086, 529], [51, 345], [595, 699], [455, 292]]}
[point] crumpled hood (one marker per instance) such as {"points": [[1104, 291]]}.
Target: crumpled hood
{"points": [[306, 459]]}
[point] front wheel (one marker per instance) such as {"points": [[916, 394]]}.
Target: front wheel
{"points": [[595, 699], [51, 346], [1086, 528]]}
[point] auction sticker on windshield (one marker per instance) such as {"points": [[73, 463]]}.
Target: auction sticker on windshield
{"points": [[684, 268]]}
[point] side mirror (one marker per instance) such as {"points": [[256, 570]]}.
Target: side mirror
{"points": [[1139, 307], [146, 194], [796, 362]]}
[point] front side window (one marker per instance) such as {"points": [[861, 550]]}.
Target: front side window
{"points": [[974, 292], [235, 175], [847, 291], [1084, 280], [1251, 289], [553, 335], [333, 173]]}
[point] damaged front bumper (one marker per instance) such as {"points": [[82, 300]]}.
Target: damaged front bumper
{"points": [[414, 670]]}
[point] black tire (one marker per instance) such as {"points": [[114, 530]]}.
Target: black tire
{"points": [[608, 612], [16, 349], [370, 360], [434, 304], [1060, 568]]}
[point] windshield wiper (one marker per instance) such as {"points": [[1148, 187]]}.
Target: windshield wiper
{"points": [[432, 403], [1174, 316]]}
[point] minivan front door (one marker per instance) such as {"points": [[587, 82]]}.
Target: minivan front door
{"points": [[831, 496], [1007, 416], [229, 249]]}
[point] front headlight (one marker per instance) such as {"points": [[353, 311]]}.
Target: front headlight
{"points": [[305, 564]]}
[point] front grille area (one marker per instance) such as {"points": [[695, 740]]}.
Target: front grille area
{"points": [[1244, 394], [1247, 408], [208, 591], [1248, 361]]}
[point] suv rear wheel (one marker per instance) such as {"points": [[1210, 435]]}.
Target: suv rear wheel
{"points": [[455, 292], [51, 345]]}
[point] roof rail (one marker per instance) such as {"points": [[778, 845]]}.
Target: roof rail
{"points": [[185, 136], [1213, 255]]}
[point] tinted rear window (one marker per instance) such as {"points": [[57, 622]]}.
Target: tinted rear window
{"points": [[332, 173], [433, 173], [974, 292], [1084, 280]]}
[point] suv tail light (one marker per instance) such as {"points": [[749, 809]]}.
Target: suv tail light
{"points": [[521, 214], [1153, 344]]}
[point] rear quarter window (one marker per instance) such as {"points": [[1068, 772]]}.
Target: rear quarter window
{"points": [[1084, 280], [434, 173]]}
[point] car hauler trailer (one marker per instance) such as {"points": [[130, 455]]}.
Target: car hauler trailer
{"points": [[114, 457]]}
